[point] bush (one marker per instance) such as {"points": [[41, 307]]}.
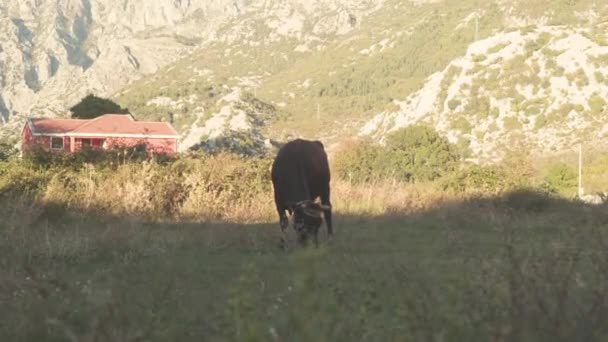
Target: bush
{"points": [[196, 186], [411, 154], [241, 143], [419, 153], [560, 177], [596, 104], [89, 155], [359, 161], [540, 121], [476, 178], [462, 124], [512, 123], [514, 172], [453, 104], [7, 151], [17, 180]]}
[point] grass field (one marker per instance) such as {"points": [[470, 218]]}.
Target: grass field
{"points": [[519, 267]]}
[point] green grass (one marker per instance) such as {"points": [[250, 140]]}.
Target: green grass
{"points": [[188, 250], [513, 266]]}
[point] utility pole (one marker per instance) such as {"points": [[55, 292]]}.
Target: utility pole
{"points": [[476, 27], [580, 170]]}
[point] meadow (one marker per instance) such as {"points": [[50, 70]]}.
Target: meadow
{"points": [[187, 250]]}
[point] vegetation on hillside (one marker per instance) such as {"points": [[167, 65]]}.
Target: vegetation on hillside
{"points": [[7, 151], [348, 77], [413, 154], [92, 106]]}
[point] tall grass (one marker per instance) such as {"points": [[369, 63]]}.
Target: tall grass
{"points": [[188, 250], [222, 188]]}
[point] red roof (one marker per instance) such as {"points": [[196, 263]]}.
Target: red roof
{"points": [[104, 125]]}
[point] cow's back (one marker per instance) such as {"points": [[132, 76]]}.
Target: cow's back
{"points": [[300, 170]]}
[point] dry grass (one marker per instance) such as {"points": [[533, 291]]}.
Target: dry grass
{"points": [[218, 189], [189, 251]]}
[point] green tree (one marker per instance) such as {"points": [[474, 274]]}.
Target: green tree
{"points": [[92, 106], [419, 153]]}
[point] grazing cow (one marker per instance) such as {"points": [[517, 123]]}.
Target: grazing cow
{"points": [[300, 174]]}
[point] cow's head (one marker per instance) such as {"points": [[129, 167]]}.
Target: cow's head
{"points": [[307, 217]]}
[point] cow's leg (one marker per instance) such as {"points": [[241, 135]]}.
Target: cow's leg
{"points": [[327, 212], [284, 223], [316, 237], [303, 238]]}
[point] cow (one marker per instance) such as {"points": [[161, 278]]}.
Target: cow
{"points": [[300, 174]]}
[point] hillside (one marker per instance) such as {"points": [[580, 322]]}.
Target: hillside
{"points": [[328, 70], [539, 88], [52, 54], [329, 86]]}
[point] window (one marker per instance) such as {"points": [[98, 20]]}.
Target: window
{"points": [[85, 142], [97, 143], [56, 143]]}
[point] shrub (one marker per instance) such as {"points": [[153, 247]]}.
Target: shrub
{"points": [[89, 155], [17, 180], [453, 104], [512, 123], [479, 58], [413, 153], [419, 153], [359, 161], [7, 151], [196, 186], [596, 104], [237, 142], [540, 121], [497, 48], [462, 124], [560, 177], [476, 178]]}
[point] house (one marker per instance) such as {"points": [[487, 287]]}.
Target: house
{"points": [[104, 132]]}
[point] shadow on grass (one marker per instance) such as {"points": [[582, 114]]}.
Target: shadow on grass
{"points": [[523, 266]]}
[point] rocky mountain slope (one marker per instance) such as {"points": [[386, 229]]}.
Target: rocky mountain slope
{"points": [[54, 52], [540, 88], [488, 74]]}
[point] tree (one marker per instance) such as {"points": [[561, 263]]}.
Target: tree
{"points": [[92, 106], [419, 153]]}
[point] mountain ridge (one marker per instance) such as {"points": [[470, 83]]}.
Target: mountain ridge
{"points": [[327, 70]]}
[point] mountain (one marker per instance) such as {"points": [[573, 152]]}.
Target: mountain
{"points": [[55, 52], [318, 69], [541, 89]]}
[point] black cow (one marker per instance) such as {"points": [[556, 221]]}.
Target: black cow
{"points": [[300, 174]]}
